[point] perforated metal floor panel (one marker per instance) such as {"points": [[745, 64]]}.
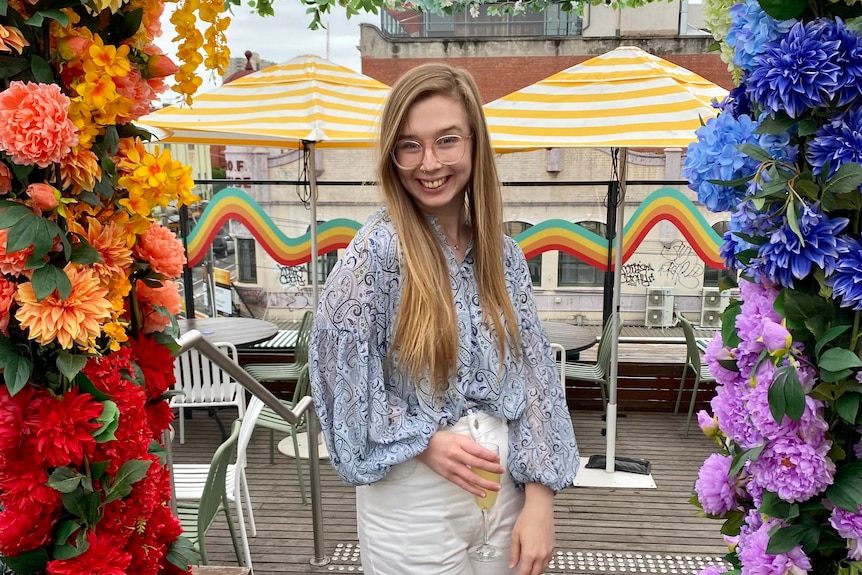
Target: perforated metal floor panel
{"points": [[345, 559]]}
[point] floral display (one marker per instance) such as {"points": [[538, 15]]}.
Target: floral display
{"points": [[784, 158], [87, 282]]}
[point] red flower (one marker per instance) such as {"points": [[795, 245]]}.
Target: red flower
{"points": [[26, 529], [159, 416], [102, 558], [156, 362], [107, 372], [63, 428], [23, 483], [132, 436], [12, 411]]}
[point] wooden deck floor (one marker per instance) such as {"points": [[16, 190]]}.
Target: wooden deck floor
{"points": [[599, 530]]}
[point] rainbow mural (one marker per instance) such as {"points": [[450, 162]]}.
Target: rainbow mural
{"points": [[662, 204]]}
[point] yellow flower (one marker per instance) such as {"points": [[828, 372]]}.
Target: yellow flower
{"points": [[96, 90], [112, 60], [77, 319]]}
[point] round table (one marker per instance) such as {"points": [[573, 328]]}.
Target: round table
{"points": [[573, 338], [235, 330], [285, 446]]}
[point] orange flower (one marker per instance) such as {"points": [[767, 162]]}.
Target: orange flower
{"points": [[80, 170], [5, 179], [45, 197], [160, 248], [7, 296], [15, 262], [77, 319], [166, 296], [34, 124], [12, 39], [110, 241]]}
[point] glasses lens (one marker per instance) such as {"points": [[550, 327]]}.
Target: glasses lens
{"points": [[407, 154], [449, 149]]}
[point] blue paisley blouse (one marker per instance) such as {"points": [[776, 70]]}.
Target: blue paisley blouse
{"points": [[374, 416]]}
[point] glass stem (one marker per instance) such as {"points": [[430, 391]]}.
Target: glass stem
{"points": [[485, 526]]}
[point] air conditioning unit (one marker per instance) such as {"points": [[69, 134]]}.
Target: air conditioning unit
{"points": [[659, 307], [712, 304]]}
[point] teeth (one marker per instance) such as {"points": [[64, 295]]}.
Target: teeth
{"points": [[433, 184]]}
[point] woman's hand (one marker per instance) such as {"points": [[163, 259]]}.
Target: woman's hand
{"points": [[452, 456], [533, 537]]}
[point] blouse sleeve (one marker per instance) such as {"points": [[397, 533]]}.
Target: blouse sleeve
{"points": [[368, 427], [545, 450]]}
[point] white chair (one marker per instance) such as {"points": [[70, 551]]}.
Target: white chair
{"points": [[204, 384], [560, 358], [190, 478]]}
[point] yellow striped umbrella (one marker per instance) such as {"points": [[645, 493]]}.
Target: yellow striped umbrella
{"points": [[305, 99], [624, 98]]}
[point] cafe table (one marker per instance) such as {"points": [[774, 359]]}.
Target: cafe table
{"points": [[573, 338], [235, 330]]}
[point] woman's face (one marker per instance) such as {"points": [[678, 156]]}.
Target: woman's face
{"points": [[437, 187]]}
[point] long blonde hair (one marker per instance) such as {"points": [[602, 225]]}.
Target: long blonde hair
{"points": [[426, 330]]}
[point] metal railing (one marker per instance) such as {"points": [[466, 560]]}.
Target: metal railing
{"points": [[304, 407]]}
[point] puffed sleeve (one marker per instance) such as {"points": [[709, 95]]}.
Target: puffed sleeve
{"points": [[544, 447], [368, 426]]}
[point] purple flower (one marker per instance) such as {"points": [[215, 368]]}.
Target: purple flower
{"points": [[849, 526], [796, 73], [750, 29], [707, 423], [811, 427], [729, 406], [776, 338], [794, 469], [756, 561], [846, 280], [714, 488], [787, 256], [714, 570], [736, 103], [838, 142]]}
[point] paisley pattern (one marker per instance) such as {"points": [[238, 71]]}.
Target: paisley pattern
{"points": [[374, 415]]}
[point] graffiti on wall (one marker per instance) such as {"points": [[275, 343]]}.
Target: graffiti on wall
{"points": [[296, 294], [681, 265], [637, 274]]}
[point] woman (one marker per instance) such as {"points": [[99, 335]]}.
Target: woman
{"points": [[427, 341]]}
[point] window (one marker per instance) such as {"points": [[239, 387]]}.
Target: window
{"points": [[325, 263], [246, 260], [572, 272], [535, 262], [711, 276]]}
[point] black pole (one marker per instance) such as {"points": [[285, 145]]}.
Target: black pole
{"points": [[610, 233], [188, 281]]}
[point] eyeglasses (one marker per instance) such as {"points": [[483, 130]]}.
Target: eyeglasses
{"points": [[448, 150]]}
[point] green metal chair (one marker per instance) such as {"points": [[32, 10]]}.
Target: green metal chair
{"points": [[269, 419], [698, 368], [197, 517], [598, 372], [287, 371]]}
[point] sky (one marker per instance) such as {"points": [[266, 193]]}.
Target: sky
{"points": [[284, 36]]}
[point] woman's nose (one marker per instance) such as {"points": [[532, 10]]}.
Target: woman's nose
{"points": [[429, 159]]}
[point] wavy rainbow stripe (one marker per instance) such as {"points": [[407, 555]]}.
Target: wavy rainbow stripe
{"points": [[662, 204], [235, 204]]}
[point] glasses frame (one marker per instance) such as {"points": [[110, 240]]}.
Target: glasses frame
{"points": [[433, 151]]}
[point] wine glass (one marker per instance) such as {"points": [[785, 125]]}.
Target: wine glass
{"points": [[486, 551]]}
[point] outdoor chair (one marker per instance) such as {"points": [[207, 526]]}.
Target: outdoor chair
{"points": [[269, 419], [698, 368], [190, 478], [598, 372], [287, 371], [202, 383], [197, 517], [560, 359]]}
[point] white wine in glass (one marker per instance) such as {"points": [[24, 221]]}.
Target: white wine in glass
{"points": [[486, 551]]}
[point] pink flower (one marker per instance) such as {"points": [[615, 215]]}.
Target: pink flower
{"points": [[5, 179], [35, 127], [166, 296], [12, 263], [160, 248], [44, 196]]}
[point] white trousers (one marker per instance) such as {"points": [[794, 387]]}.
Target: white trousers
{"points": [[415, 522]]}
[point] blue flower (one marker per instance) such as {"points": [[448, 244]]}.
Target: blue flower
{"points": [[847, 56], [846, 280], [750, 30], [735, 103], [786, 256], [751, 221], [797, 73], [837, 142], [714, 156]]}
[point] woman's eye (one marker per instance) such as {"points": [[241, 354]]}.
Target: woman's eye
{"points": [[409, 146]]}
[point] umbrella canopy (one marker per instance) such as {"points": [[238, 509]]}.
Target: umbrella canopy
{"points": [[305, 99], [305, 103], [624, 98]]}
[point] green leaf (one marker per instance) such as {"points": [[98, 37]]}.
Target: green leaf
{"points": [[755, 152], [16, 368], [86, 385], [110, 420], [57, 15], [128, 474], [69, 551], [807, 126], [786, 396], [12, 65], [64, 479], [847, 179], [847, 407], [112, 138], [774, 506], [740, 458], [69, 365], [42, 71], [85, 254], [98, 468], [65, 529], [787, 538], [793, 223], [846, 489], [728, 324], [28, 562], [732, 523], [837, 359], [48, 279], [828, 336], [770, 125], [158, 449], [83, 505], [182, 553], [808, 189]]}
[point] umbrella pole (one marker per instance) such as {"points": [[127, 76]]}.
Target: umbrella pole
{"points": [[611, 415], [312, 184]]}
